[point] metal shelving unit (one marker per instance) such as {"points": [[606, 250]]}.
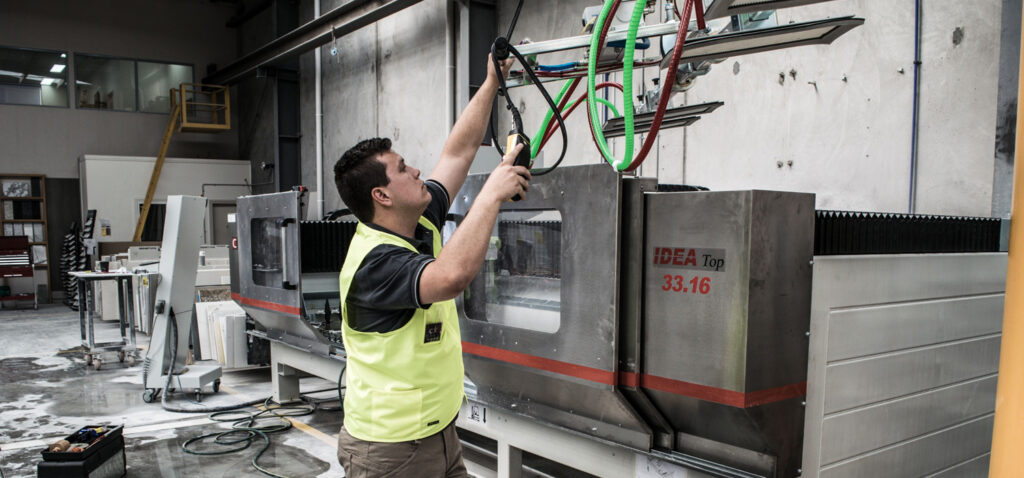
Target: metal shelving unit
{"points": [[22, 209]]}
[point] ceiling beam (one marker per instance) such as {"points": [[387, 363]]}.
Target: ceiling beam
{"points": [[341, 21]]}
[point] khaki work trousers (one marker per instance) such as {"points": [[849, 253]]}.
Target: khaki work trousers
{"points": [[436, 456]]}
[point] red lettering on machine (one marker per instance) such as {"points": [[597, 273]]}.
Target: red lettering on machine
{"points": [[678, 256]]}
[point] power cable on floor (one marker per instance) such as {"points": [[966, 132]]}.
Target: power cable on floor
{"points": [[244, 429], [341, 400], [173, 332]]}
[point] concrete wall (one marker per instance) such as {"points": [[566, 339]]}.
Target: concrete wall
{"points": [[50, 140], [119, 204], [256, 106], [387, 80], [849, 140]]}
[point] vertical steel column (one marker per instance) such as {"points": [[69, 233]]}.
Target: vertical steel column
{"points": [[1008, 433], [286, 103]]}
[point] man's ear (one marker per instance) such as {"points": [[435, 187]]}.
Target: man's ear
{"points": [[380, 196]]}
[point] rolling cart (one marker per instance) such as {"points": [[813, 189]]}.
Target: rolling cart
{"points": [[126, 348]]}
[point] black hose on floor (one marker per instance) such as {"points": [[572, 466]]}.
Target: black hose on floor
{"points": [[341, 400], [173, 325], [244, 430]]}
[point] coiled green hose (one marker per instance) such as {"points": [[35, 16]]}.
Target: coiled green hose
{"points": [[627, 83]]}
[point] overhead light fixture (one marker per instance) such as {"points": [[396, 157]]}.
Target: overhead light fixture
{"points": [[820, 32], [47, 81], [57, 68], [63, 55], [674, 118], [726, 8]]}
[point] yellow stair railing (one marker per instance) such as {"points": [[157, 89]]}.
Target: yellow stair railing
{"points": [[195, 108]]}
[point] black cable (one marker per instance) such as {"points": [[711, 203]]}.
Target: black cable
{"points": [[551, 104], [500, 50], [173, 325], [341, 400], [244, 429], [494, 136], [515, 18]]}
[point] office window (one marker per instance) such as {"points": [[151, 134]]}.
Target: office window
{"points": [[104, 83], [33, 77], [155, 82]]}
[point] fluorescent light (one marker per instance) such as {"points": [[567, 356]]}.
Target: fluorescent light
{"points": [[820, 32], [47, 81], [725, 8], [57, 68], [63, 55]]}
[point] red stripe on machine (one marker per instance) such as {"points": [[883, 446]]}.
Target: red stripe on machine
{"points": [[266, 305], [629, 379], [725, 397], [563, 368]]}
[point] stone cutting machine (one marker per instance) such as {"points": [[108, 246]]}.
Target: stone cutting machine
{"points": [[655, 320]]}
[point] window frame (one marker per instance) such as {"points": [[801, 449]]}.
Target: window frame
{"points": [[67, 76], [137, 93], [135, 73]]}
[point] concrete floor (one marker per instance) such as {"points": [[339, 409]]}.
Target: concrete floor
{"points": [[47, 392]]}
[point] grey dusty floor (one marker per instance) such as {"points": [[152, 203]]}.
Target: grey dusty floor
{"points": [[46, 392]]}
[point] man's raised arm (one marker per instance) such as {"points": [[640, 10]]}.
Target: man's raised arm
{"points": [[468, 133]]}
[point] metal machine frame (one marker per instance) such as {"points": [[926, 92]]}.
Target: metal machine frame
{"points": [[634, 375], [183, 234], [272, 292]]}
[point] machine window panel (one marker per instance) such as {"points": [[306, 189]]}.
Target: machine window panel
{"points": [[33, 77], [104, 83], [155, 83], [266, 251], [519, 284]]}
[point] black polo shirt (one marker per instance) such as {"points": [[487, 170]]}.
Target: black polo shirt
{"points": [[384, 293]]}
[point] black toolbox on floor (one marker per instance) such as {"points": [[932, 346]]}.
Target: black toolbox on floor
{"points": [[104, 458]]}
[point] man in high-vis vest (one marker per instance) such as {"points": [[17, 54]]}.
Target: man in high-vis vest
{"points": [[398, 285]]}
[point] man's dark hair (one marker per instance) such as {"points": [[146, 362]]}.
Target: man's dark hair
{"points": [[358, 172]]}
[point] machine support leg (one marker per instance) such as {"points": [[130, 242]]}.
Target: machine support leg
{"points": [[510, 460], [285, 380], [1008, 433]]}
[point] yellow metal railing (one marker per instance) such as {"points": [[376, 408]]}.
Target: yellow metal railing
{"points": [[204, 107], [194, 108]]}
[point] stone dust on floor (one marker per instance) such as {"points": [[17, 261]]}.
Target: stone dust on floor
{"points": [[48, 392]]}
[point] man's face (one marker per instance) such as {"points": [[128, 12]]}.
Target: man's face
{"points": [[405, 186]]}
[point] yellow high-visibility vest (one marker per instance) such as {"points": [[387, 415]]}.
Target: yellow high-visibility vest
{"points": [[405, 384]]}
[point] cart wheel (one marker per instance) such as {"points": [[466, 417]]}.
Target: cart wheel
{"points": [[216, 386], [199, 395], [97, 363], [120, 356], [88, 360], [131, 359], [149, 395]]}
